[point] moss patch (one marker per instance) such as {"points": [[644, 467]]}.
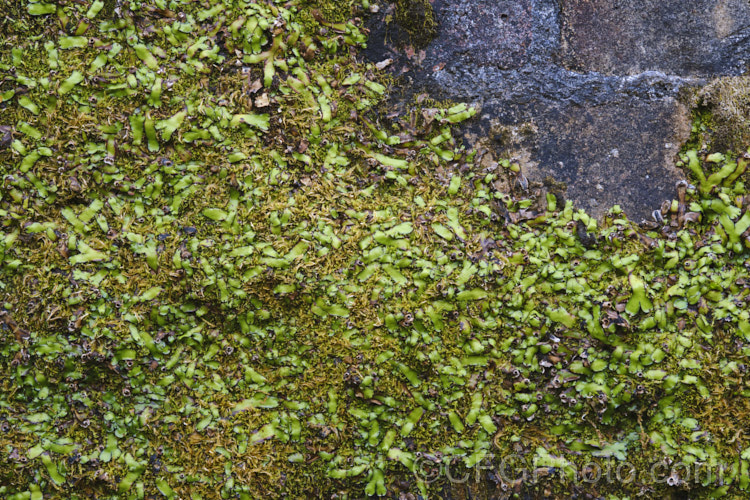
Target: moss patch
{"points": [[728, 100], [417, 18]]}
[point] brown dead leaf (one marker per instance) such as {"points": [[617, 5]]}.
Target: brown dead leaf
{"points": [[255, 86], [429, 115], [262, 101], [6, 136]]}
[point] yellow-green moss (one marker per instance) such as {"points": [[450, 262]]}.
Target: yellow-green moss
{"points": [[728, 100], [417, 18]]}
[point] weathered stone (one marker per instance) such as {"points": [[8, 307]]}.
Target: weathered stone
{"points": [[486, 33], [619, 37], [564, 83], [471, 34], [620, 153], [617, 153]]}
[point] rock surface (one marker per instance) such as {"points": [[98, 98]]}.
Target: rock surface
{"points": [[595, 84], [700, 37]]}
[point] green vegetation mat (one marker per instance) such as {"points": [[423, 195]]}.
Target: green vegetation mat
{"points": [[228, 272]]}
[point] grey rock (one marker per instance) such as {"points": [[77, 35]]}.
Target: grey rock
{"points": [[700, 37], [564, 83]]}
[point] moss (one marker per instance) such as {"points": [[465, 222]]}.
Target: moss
{"points": [[15, 20], [334, 10], [417, 19], [728, 100]]}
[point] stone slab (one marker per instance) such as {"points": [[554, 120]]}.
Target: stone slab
{"points": [[588, 77], [619, 153], [605, 154], [620, 37], [484, 32]]}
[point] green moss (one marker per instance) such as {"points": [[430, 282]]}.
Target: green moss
{"points": [[15, 20], [334, 10], [728, 100], [417, 19]]}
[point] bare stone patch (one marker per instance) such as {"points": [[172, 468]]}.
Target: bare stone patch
{"points": [[615, 153], [615, 37], [585, 91], [486, 32]]}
